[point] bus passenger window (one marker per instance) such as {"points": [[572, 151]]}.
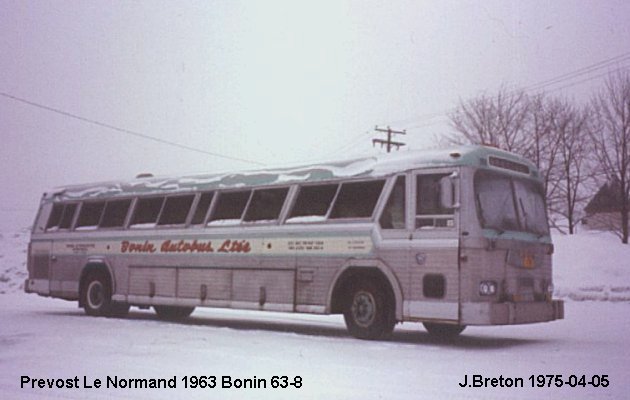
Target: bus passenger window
{"points": [[313, 201], [202, 208], [230, 208], [68, 216], [357, 199], [55, 217], [90, 214], [147, 211], [115, 213], [176, 210], [266, 204], [429, 211], [394, 215]]}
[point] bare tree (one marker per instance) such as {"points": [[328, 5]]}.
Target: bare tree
{"points": [[570, 128], [550, 132], [543, 146], [610, 135], [492, 120]]}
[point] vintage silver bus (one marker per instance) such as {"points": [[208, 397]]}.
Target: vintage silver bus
{"points": [[448, 238]]}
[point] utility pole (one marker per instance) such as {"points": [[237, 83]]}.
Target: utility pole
{"points": [[389, 142]]}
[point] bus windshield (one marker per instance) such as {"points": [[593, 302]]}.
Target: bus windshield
{"points": [[509, 204]]}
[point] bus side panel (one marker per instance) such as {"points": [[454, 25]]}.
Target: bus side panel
{"points": [[434, 286], [271, 288], [315, 277], [40, 260], [152, 281], [38, 267], [66, 262], [204, 283], [397, 259]]}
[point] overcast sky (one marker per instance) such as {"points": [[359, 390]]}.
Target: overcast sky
{"points": [[270, 82]]}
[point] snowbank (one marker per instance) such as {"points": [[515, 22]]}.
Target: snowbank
{"points": [[14, 236], [591, 266]]}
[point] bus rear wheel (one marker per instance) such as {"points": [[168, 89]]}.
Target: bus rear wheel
{"points": [[368, 313], [173, 313], [443, 331], [97, 297]]}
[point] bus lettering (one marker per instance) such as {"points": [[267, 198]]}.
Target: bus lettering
{"points": [[131, 247], [185, 246], [235, 246]]}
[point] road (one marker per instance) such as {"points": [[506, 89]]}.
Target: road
{"points": [[53, 340]]}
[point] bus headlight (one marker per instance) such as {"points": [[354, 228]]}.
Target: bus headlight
{"points": [[487, 288]]}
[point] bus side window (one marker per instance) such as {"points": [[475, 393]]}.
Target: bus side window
{"points": [[55, 217], [357, 199], [429, 210], [394, 214], [176, 209], [147, 211], [313, 202], [90, 214], [266, 204], [68, 216], [230, 207], [115, 213], [202, 208]]}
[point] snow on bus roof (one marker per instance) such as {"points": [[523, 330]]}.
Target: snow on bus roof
{"points": [[373, 166]]}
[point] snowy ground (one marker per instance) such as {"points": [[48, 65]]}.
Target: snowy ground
{"points": [[49, 338], [591, 266]]}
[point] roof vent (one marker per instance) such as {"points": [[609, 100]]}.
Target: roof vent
{"points": [[144, 175]]}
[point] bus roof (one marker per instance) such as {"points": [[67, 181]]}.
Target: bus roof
{"points": [[367, 167]]}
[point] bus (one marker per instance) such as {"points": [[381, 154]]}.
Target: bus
{"points": [[448, 238]]}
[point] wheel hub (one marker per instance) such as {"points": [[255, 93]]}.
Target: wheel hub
{"points": [[95, 295], [364, 308]]}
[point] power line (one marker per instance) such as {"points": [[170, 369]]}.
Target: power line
{"points": [[579, 72], [589, 79], [123, 130], [422, 120]]}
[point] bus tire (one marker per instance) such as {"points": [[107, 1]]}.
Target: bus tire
{"points": [[368, 312], [173, 313], [443, 331], [97, 297]]}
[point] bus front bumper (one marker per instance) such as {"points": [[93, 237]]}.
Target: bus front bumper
{"points": [[511, 313]]}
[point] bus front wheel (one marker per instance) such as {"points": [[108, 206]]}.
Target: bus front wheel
{"points": [[368, 312]]}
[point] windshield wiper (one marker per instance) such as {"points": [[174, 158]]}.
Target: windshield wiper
{"points": [[480, 208], [520, 202]]}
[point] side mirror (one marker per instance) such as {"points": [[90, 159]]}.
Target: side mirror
{"points": [[447, 192]]}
